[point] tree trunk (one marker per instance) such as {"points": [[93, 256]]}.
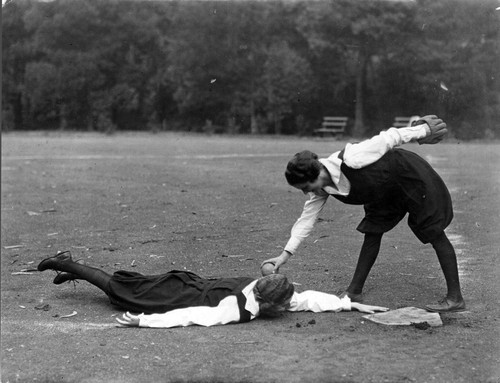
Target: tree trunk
{"points": [[254, 125], [17, 109], [63, 122], [277, 123], [359, 126]]}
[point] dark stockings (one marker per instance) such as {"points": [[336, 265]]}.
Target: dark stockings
{"points": [[444, 251], [448, 261], [367, 257], [97, 277]]}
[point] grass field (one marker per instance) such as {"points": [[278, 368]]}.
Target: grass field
{"points": [[219, 206]]}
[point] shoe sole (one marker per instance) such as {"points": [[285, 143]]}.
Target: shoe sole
{"points": [[445, 311]]}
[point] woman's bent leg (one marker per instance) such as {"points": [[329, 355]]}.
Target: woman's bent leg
{"points": [[448, 261], [367, 257]]}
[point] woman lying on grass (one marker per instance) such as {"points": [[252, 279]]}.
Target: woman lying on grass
{"points": [[181, 298]]}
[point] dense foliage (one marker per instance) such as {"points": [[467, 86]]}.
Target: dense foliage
{"points": [[250, 66]]}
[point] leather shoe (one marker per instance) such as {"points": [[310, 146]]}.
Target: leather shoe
{"points": [[53, 262], [64, 277], [446, 306]]}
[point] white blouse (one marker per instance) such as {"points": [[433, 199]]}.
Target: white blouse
{"points": [[228, 312]]}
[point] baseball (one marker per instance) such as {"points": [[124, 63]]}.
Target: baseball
{"points": [[267, 269]]}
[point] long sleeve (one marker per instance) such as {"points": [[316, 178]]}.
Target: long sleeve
{"points": [[317, 302], [226, 312], [305, 224], [362, 154]]}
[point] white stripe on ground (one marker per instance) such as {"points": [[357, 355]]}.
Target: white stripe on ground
{"points": [[118, 157], [64, 325], [82, 157], [433, 159]]}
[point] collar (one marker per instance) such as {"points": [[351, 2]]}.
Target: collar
{"points": [[251, 305], [332, 164]]}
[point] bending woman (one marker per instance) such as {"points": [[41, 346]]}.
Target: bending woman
{"points": [[181, 298], [389, 182]]}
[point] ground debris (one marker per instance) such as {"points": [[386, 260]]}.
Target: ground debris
{"points": [[24, 272], [43, 306], [421, 325], [69, 315], [40, 212]]}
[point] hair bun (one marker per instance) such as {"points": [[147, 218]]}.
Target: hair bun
{"points": [[303, 167], [306, 155], [274, 288]]}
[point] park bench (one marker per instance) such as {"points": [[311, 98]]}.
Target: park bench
{"points": [[332, 126], [402, 122]]}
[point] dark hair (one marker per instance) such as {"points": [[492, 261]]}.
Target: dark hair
{"points": [[271, 291], [303, 167]]}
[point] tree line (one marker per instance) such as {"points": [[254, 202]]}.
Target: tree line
{"points": [[251, 67]]}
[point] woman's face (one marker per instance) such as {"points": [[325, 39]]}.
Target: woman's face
{"points": [[276, 310], [284, 306], [310, 187]]}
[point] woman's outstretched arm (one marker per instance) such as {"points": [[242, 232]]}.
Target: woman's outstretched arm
{"points": [[226, 312], [318, 301]]}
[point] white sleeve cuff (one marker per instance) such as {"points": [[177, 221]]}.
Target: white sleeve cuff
{"points": [[413, 133], [346, 303], [292, 245]]}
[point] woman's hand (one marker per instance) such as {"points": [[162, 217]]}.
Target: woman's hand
{"points": [[367, 308], [129, 320], [278, 261]]}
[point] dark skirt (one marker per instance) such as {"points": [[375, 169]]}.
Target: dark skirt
{"points": [[173, 290], [400, 182]]}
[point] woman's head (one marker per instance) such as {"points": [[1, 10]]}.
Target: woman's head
{"points": [[273, 293], [304, 167]]}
